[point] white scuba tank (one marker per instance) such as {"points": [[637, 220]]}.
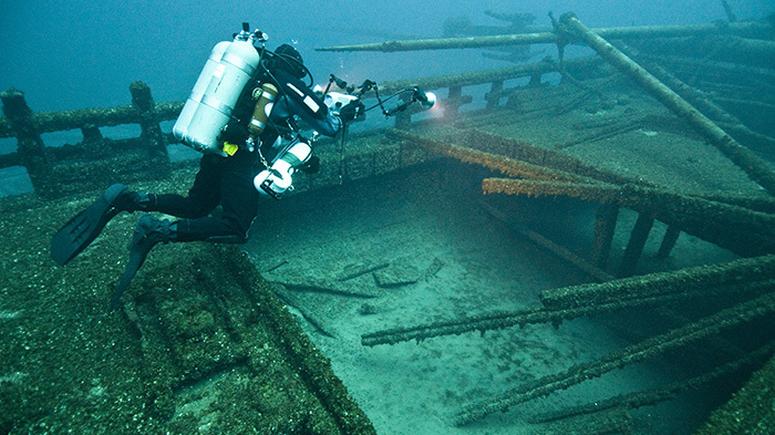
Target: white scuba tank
{"points": [[207, 111]]}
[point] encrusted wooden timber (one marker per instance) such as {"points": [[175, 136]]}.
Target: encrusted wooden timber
{"points": [[492, 75], [635, 32], [745, 51], [613, 421], [556, 315], [504, 165], [676, 338], [756, 168], [660, 283], [605, 228], [637, 241], [692, 69], [314, 369], [556, 249], [500, 320], [557, 160], [31, 152], [46, 122], [731, 124], [750, 408], [662, 394], [740, 230], [548, 164], [731, 17], [150, 132], [668, 241]]}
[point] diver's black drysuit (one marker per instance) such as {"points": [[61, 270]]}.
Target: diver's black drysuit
{"points": [[228, 181]]}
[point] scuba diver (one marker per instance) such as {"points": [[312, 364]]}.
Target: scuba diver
{"points": [[245, 114], [235, 171]]}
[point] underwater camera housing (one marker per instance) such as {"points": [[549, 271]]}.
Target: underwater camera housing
{"points": [[208, 109], [337, 101], [276, 180]]}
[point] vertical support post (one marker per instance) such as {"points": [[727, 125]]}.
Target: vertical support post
{"points": [[494, 96], [668, 241], [453, 102], [728, 10], [638, 237], [91, 133], [605, 226], [31, 150], [535, 79], [151, 134]]}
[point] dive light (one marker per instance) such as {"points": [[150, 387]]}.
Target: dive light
{"points": [[427, 99]]}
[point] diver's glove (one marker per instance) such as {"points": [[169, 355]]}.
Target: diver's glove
{"points": [[352, 111], [348, 107]]}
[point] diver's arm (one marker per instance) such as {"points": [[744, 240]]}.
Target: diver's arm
{"points": [[295, 98]]}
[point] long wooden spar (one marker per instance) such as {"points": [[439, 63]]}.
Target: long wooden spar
{"points": [[748, 29]]}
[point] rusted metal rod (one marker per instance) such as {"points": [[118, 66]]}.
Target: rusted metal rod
{"points": [[756, 168]]}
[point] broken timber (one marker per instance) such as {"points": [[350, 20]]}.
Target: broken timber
{"points": [[746, 270], [667, 392], [756, 168], [669, 292], [679, 337]]}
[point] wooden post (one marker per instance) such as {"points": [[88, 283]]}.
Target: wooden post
{"points": [[756, 168], [668, 241], [91, 133], [638, 237], [453, 102], [731, 17], [151, 133], [605, 226], [494, 96], [31, 150]]}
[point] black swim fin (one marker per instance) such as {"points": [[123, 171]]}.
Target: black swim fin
{"points": [[83, 228], [148, 232]]}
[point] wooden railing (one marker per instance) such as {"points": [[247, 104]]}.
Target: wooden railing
{"points": [[39, 160]]}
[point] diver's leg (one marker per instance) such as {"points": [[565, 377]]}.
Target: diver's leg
{"points": [[239, 200], [202, 198], [151, 231], [240, 206]]}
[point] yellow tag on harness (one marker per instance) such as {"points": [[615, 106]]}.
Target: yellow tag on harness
{"points": [[230, 149]]}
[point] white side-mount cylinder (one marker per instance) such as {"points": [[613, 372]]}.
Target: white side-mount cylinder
{"points": [[207, 111]]}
